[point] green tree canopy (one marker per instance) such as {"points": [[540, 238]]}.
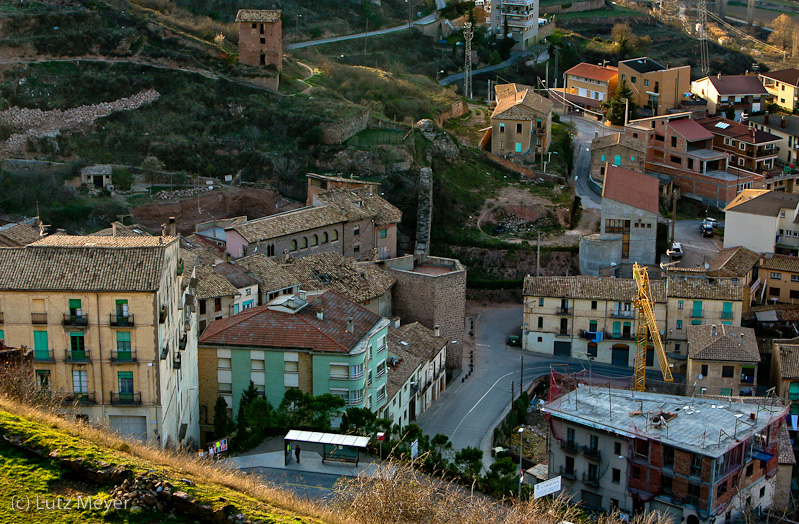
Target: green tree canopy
{"points": [[614, 106]]}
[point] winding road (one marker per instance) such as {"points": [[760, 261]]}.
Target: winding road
{"points": [[299, 45]]}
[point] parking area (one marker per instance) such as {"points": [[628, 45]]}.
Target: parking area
{"points": [[697, 249]]}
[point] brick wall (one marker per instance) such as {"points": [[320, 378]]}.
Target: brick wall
{"points": [[251, 48]]}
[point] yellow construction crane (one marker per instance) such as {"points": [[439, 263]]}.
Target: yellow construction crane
{"points": [[647, 325]]}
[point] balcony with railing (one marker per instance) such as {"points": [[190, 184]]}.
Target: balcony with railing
{"points": [[79, 398], [126, 399], [562, 333], [43, 355], [621, 335], [697, 313], [566, 473], [75, 355], [569, 446], [618, 313], [590, 480], [122, 356], [75, 320], [184, 339], [121, 320], [38, 318], [380, 349], [726, 315], [564, 311], [592, 453]]}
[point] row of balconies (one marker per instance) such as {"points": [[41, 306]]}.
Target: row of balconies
{"points": [[571, 446], [81, 320], [84, 355], [588, 479], [117, 398]]}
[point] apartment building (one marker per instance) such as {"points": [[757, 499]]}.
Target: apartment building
{"points": [[785, 375], [326, 344], [588, 85], [517, 19], [697, 460], [786, 127], [521, 122], [740, 264], [628, 225], [352, 222], [722, 360], [763, 221], [213, 231], [780, 276], [742, 93], [681, 148], [416, 371], [749, 149], [616, 149], [783, 86], [112, 326], [260, 37], [655, 88]]}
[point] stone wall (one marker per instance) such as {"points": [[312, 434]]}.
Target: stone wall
{"points": [[424, 212], [573, 7], [516, 168], [37, 167], [455, 110], [338, 132]]}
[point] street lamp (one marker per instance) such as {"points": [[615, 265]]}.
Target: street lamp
{"points": [[298, 23], [521, 467]]}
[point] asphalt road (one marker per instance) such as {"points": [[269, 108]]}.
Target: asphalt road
{"points": [[299, 45], [696, 249], [542, 57], [304, 483], [468, 411]]}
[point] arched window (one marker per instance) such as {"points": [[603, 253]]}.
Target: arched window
{"points": [[334, 235], [293, 245], [314, 240], [304, 243], [617, 160], [324, 237]]}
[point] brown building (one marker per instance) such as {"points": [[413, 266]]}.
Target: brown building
{"points": [[321, 183], [749, 149], [619, 150], [260, 37], [738, 263], [780, 275], [588, 85], [722, 360], [521, 122], [655, 87], [20, 233]]}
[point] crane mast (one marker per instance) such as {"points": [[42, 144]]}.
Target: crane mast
{"points": [[647, 326]]}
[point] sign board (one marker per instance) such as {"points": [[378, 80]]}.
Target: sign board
{"points": [[381, 436], [219, 446], [547, 488], [415, 448]]}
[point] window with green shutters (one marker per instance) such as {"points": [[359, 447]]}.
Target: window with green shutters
{"points": [[726, 392], [125, 379], [726, 311], [123, 345], [75, 309], [697, 311], [80, 381], [2, 335], [592, 325], [41, 348], [793, 391], [77, 345], [616, 329]]}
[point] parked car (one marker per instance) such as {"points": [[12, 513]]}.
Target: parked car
{"points": [[706, 229], [515, 340], [675, 251], [710, 221]]}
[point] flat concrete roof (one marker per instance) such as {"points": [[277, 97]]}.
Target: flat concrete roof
{"points": [[706, 426]]}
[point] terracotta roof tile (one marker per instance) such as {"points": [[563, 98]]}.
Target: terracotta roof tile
{"points": [[767, 204], [786, 454], [289, 223], [726, 345], [780, 263], [619, 139], [419, 340], [632, 188], [737, 85], [520, 103], [18, 234], [331, 270], [361, 203], [594, 72], [258, 15], [786, 76], [788, 356], [690, 129], [705, 288], [211, 284], [585, 287], [103, 241], [262, 327], [122, 231], [733, 262], [269, 272], [235, 274], [718, 125]]}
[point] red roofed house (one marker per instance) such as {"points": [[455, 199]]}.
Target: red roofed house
{"points": [[783, 85], [326, 344], [681, 148], [628, 225], [749, 149], [588, 85], [521, 122], [744, 93]]}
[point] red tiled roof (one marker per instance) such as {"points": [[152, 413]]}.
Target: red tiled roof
{"points": [[631, 188], [786, 76], [593, 71], [737, 85], [690, 129], [718, 125], [265, 327]]}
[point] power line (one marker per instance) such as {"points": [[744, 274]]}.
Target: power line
{"points": [[468, 33]]}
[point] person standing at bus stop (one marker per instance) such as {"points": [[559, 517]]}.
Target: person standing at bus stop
{"points": [[297, 453]]}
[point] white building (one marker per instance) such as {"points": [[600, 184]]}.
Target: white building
{"points": [[763, 221], [521, 17]]}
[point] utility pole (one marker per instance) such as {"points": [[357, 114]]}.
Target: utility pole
{"points": [[538, 257], [673, 214], [521, 375], [365, 39], [557, 50], [512, 392], [468, 34]]}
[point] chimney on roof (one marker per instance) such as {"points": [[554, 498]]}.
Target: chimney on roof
{"points": [[113, 229], [782, 122], [596, 135], [742, 340], [718, 76], [765, 118], [437, 330], [284, 257], [172, 231], [303, 294], [227, 258], [320, 315], [714, 330], [350, 325]]}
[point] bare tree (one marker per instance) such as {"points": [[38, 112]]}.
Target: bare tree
{"points": [[784, 28]]}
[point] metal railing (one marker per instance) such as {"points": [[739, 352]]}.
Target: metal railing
{"points": [[726, 315], [120, 398], [590, 480], [38, 318], [570, 446], [622, 314], [569, 474], [592, 453], [121, 320], [123, 355], [564, 311], [75, 320], [79, 398], [74, 355], [697, 313], [43, 355]]}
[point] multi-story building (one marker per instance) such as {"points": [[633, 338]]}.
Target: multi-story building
{"points": [[17, 234], [741, 264], [617, 149], [683, 149], [783, 86], [780, 275], [325, 345], [213, 231], [763, 221], [521, 122], [416, 372], [698, 460], [112, 327], [722, 360], [655, 88], [246, 285], [785, 374], [749, 149], [353, 222], [628, 226], [321, 183], [432, 291], [744, 93], [273, 279], [215, 296], [786, 127], [260, 37], [588, 85], [517, 19]]}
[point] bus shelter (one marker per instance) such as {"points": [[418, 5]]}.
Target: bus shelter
{"points": [[335, 447]]}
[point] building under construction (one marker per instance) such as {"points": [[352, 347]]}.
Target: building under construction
{"points": [[698, 460]]}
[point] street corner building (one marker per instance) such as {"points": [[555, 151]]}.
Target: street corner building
{"points": [[112, 326], [696, 460]]}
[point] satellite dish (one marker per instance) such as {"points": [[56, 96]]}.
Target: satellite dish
{"points": [[707, 266], [700, 376]]}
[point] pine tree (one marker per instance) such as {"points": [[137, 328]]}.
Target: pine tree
{"points": [[614, 107], [221, 419]]}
